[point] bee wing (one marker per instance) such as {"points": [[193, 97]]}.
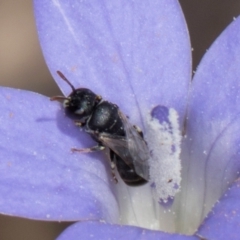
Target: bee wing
{"points": [[131, 148], [138, 148], [117, 144]]}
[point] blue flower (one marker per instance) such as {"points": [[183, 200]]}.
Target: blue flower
{"points": [[137, 55]]}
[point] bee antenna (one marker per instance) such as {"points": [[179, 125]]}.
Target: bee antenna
{"points": [[66, 80]]}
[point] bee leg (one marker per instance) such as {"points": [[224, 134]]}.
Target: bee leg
{"points": [[138, 130], [113, 166], [88, 150]]}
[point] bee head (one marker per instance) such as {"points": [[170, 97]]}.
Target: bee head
{"points": [[80, 103]]}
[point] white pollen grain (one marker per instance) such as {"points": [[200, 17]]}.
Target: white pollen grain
{"points": [[164, 142]]}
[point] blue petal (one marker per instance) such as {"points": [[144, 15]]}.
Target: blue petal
{"points": [[212, 149], [96, 230], [136, 54], [39, 176], [224, 220]]}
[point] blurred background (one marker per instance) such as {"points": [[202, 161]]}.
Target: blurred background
{"points": [[22, 66]]}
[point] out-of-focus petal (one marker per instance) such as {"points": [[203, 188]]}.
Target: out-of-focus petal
{"points": [[39, 176], [135, 54], [96, 230], [224, 220], [211, 151]]}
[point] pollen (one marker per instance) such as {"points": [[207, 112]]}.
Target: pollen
{"points": [[164, 141]]}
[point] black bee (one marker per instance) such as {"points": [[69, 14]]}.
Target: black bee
{"points": [[111, 129]]}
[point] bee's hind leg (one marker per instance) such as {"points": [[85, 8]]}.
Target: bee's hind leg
{"points": [[139, 130], [113, 166]]}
